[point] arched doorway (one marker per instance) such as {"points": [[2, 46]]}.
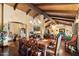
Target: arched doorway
{"points": [[14, 27]]}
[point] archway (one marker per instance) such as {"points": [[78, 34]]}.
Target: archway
{"points": [[14, 27]]}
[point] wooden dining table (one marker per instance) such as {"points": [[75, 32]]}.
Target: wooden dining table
{"points": [[46, 43]]}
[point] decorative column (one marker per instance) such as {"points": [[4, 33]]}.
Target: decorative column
{"points": [[28, 25], [27, 22], [1, 23], [42, 25], [1, 16]]}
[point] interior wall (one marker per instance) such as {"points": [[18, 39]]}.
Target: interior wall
{"points": [[68, 29], [11, 15], [17, 26]]}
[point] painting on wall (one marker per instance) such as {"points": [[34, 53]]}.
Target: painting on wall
{"points": [[62, 30], [36, 28]]}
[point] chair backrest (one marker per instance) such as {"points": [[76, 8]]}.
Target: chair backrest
{"points": [[74, 38]]}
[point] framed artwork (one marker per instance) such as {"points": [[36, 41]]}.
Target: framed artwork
{"points": [[36, 28], [62, 30]]}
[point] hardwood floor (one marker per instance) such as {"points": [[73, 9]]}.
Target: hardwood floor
{"points": [[62, 49], [14, 48]]}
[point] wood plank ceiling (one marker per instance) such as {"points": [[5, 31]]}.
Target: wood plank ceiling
{"points": [[59, 13]]}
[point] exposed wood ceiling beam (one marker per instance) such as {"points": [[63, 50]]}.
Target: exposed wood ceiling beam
{"points": [[61, 11], [69, 15], [62, 16], [44, 4], [63, 19], [40, 12], [48, 25], [15, 6], [69, 24], [60, 21], [68, 7], [35, 15], [47, 21], [28, 11]]}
